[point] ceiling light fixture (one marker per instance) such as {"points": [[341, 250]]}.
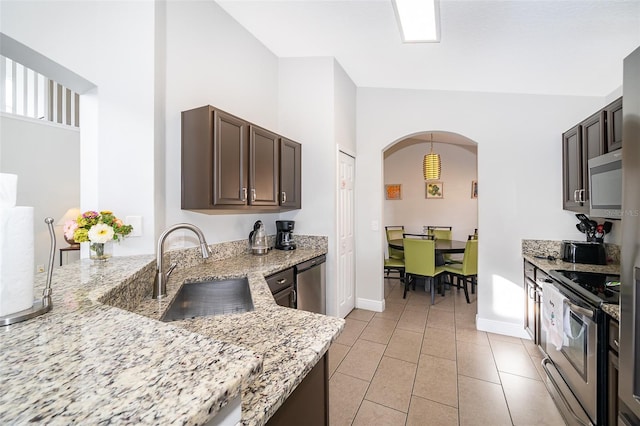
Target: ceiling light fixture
{"points": [[419, 20], [431, 164]]}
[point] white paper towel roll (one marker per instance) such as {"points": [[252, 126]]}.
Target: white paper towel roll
{"points": [[16, 259], [8, 190]]}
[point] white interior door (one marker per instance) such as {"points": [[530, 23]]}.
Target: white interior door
{"points": [[346, 239]]}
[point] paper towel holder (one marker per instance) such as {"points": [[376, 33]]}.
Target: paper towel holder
{"points": [[39, 306]]}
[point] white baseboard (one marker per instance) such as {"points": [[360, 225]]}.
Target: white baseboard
{"points": [[500, 327], [370, 305]]}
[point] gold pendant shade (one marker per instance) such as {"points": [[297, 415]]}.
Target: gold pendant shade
{"points": [[431, 165]]}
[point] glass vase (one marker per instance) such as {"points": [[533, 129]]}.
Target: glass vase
{"points": [[101, 251]]}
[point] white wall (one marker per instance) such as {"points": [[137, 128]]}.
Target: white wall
{"points": [[46, 158], [344, 110], [111, 44], [211, 60], [306, 101], [414, 210], [519, 175]]}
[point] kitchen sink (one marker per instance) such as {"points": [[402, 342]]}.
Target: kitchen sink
{"points": [[216, 297]]}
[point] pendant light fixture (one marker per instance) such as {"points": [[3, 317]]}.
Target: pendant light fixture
{"points": [[431, 164]]}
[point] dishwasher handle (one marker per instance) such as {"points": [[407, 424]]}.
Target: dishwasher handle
{"points": [[301, 267]]}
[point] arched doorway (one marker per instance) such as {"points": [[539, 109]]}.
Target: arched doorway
{"points": [[454, 203]]}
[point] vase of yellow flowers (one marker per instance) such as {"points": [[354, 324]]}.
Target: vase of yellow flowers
{"points": [[100, 229]]}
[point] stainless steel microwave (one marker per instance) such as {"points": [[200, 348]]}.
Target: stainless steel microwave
{"points": [[605, 185]]}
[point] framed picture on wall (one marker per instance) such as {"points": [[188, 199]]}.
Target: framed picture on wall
{"points": [[474, 189], [434, 190], [393, 191]]}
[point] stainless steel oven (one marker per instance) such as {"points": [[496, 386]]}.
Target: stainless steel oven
{"points": [[577, 369]]}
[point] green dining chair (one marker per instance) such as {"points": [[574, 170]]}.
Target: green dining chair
{"points": [[420, 261], [394, 233], [443, 233], [397, 265], [440, 232], [467, 272]]}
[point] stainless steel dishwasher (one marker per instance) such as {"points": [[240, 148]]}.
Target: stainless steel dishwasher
{"points": [[311, 291]]}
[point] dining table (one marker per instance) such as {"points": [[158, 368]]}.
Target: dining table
{"points": [[441, 247]]}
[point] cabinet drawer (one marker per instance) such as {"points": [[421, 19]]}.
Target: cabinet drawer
{"points": [[280, 280]]}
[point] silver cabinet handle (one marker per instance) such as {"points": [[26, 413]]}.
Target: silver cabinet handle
{"points": [[253, 194], [284, 197], [581, 195], [295, 296], [530, 291], [282, 281], [615, 342], [575, 196], [243, 195]]}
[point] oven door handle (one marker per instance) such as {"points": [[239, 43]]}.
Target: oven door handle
{"points": [[580, 310], [546, 361]]}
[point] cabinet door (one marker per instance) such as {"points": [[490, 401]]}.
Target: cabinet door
{"points": [[230, 160], [309, 403], [197, 153], [614, 125], [529, 306], [290, 174], [263, 167], [572, 172], [593, 145]]}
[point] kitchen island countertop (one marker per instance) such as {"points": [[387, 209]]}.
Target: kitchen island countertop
{"points": [[92, 360]]}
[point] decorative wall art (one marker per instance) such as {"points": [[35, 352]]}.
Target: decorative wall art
{"points": [[474, 189], [393, 191], [434, 190]]}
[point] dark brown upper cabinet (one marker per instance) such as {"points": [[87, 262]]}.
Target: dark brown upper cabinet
{"points": [[572, 170], [231, 164], [264, 157], [614, 125], [290, 174], [596, 135], [230, 169]]}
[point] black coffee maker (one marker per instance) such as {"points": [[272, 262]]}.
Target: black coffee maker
{"points": [[284, 236]]}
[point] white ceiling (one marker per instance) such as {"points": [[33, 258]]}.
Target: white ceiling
{"points": [[565, 47]]}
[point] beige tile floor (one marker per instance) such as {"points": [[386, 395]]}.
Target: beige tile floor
{"points": [[417, 364]]}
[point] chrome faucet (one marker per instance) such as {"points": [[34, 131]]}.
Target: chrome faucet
{"points": [[160, 283]]}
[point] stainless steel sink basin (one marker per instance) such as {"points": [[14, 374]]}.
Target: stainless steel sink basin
{"points": [[207, 298]]}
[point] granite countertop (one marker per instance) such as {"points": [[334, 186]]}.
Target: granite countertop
{"points": [[531, 248], [270, 330], [549, 265], [92, 360], [552, 248]]}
